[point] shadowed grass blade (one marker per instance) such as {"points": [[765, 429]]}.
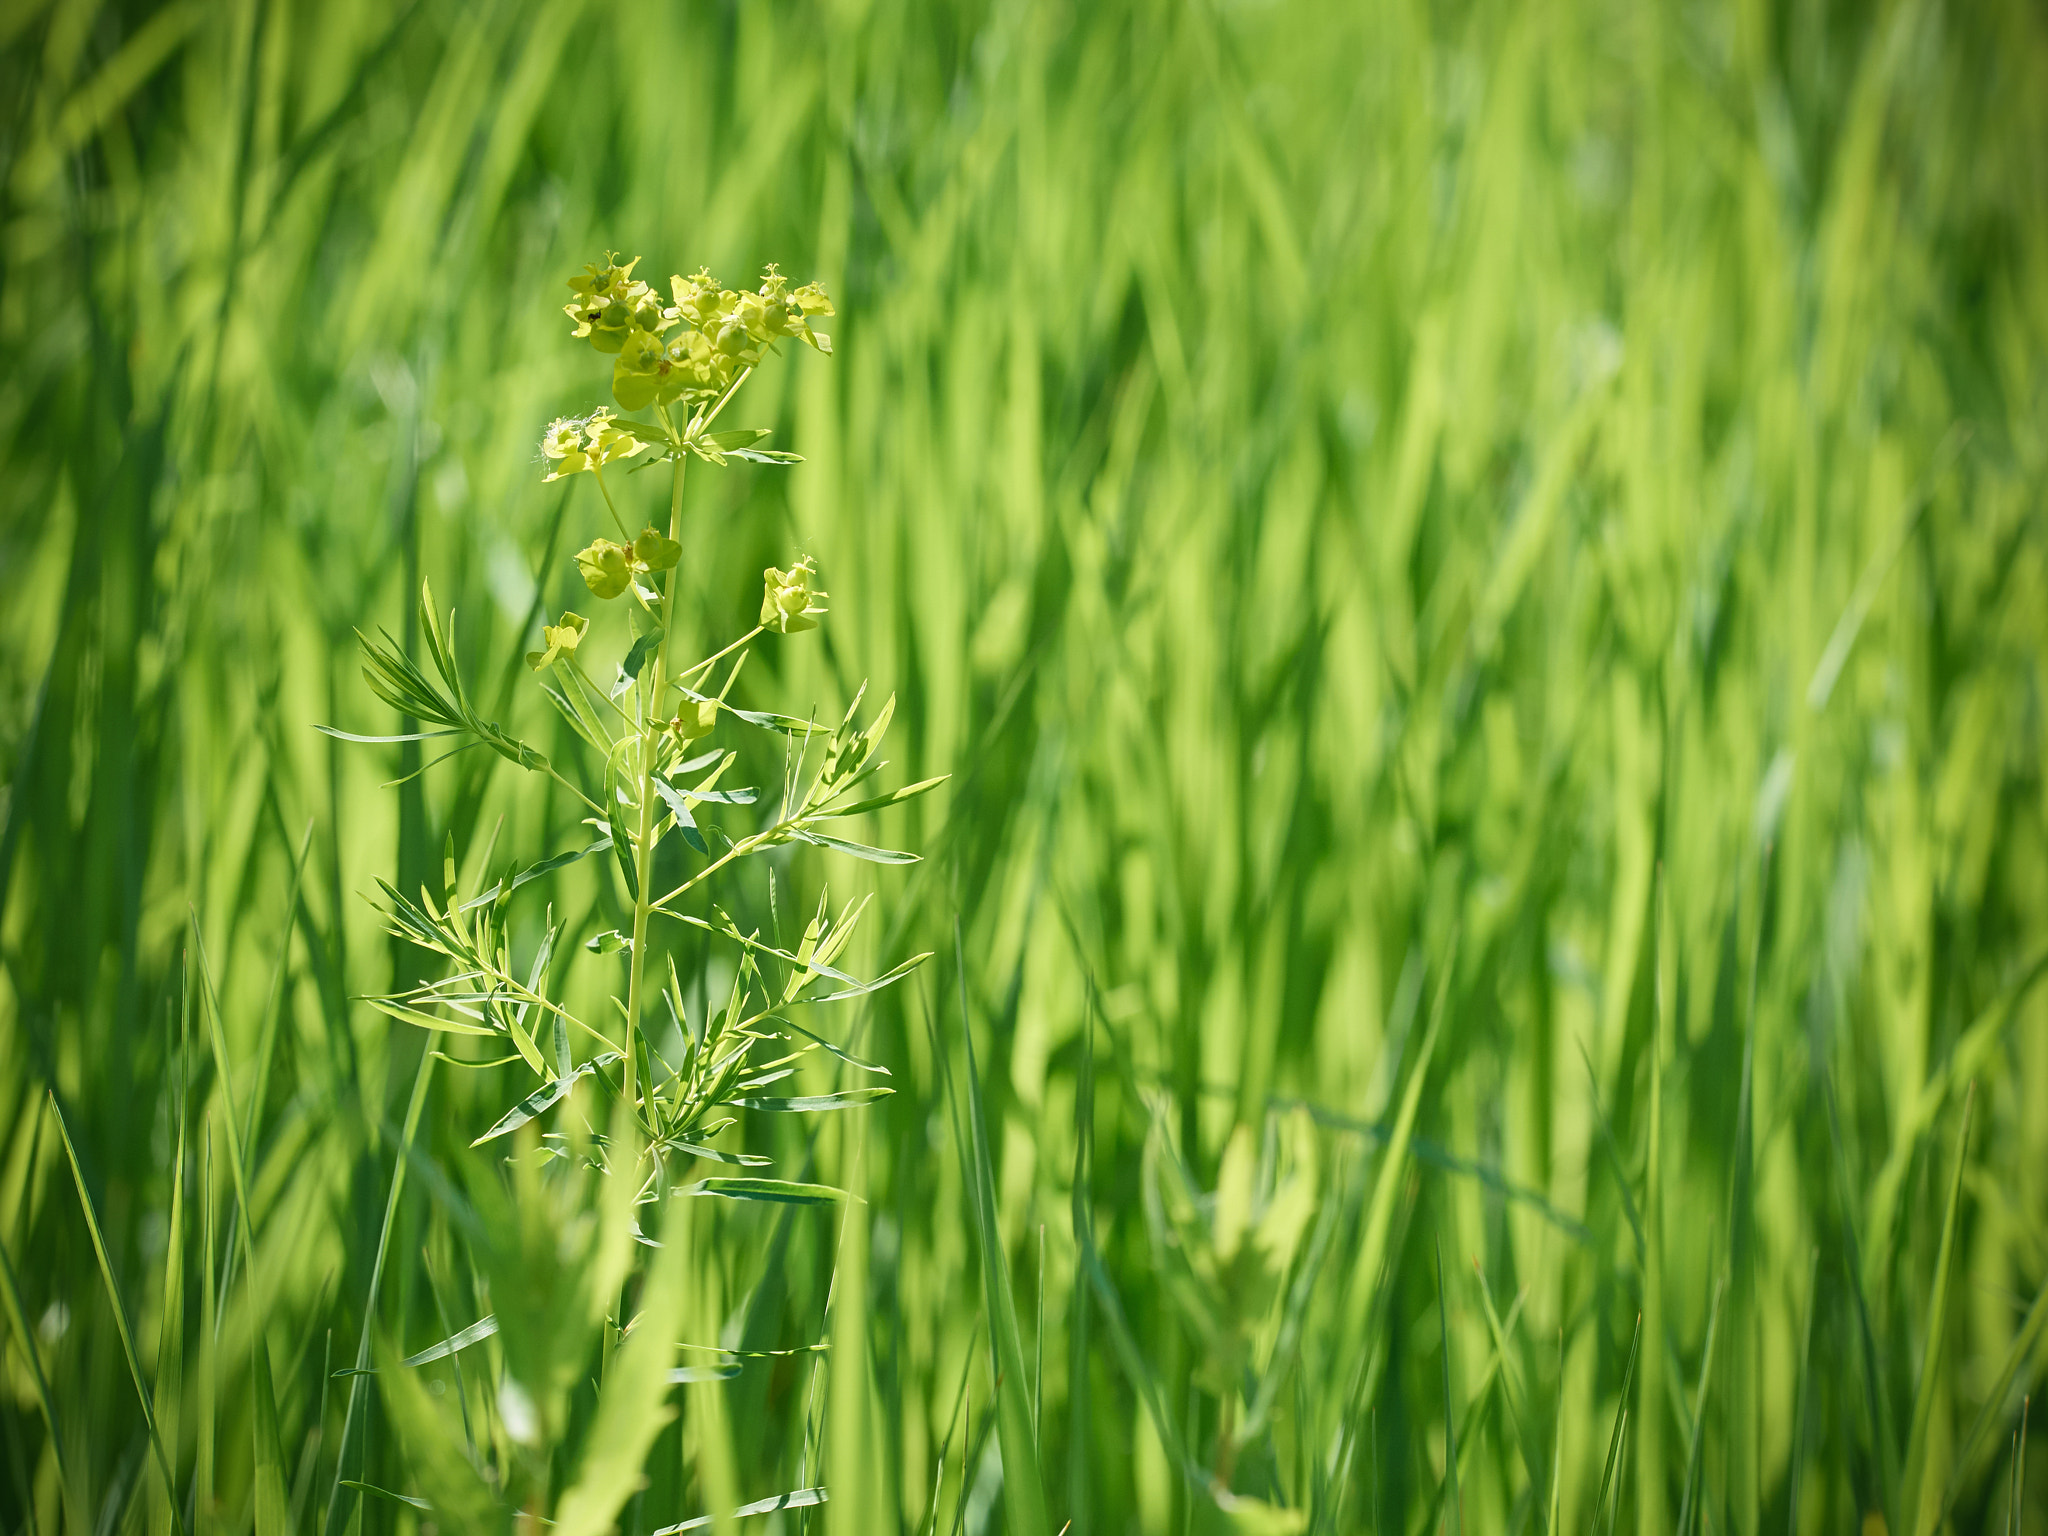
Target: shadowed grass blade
{"points": [[1918, 1518], [67, 1488]]}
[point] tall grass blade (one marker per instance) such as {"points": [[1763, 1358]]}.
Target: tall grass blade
{"points": [[1453, 1505], [1919, 1510], [2017, 1354], [341, 1499], [1696, 1446], [127, 1336], [273, 1507], [1372, 1248], [170, 1353], [1023, 1486], [1801, 1398], [1614, 1436]]}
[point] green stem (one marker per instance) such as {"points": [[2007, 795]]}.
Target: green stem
{"points": [[650, 738], [705, 665], [605, 491]]}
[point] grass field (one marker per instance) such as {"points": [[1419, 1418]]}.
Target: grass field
{"points": [[1481, 575]]}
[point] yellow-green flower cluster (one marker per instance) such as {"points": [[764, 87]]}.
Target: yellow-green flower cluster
{"points": [[572, 445], [789, 603], [698, 343], [608, 568]]}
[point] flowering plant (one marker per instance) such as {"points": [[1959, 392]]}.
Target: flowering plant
{"points": [[655, 777]]}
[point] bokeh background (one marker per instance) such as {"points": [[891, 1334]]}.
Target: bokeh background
{"points": [[1523, 516]]}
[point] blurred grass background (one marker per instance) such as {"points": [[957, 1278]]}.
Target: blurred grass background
{"points": [[1527, 517]]}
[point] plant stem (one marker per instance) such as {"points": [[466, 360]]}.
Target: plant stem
{"points": [[706, 664], [605, 491], [650, 737]]}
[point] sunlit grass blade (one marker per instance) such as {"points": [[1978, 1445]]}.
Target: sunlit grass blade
{"points": [[798, 1498], [120, 1310]]}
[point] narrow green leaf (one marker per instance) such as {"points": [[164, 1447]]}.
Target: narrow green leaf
{"points": [[779, 1191], [894, 797], [739, 437], [545, 1097], [858, 850], [535, 872], [386, 1493], [679, 807], [730, 1159], [862, 989], [483, 1328], [641, 654], [845, 1098], [328, 730], [801, 1498], [406, 1014]]}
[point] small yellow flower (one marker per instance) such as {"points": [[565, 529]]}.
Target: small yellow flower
{"points": [[563, 446], [559, 638]]}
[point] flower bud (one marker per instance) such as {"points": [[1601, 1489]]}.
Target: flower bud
{"points": [[789, 605], [695, 720], [607, 567], [655, 552], [638, 375]]}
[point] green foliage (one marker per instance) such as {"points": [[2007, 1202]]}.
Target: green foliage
{"points": [[1479, 569]]}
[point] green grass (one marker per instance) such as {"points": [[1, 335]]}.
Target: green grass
{"points": [[1480, 573]]}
